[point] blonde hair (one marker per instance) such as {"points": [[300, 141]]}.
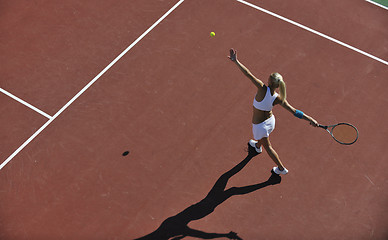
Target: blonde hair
{"points": [[278, 79]]}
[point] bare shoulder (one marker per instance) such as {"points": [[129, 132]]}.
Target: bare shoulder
{"points": [[261, 91], [279, 101]]}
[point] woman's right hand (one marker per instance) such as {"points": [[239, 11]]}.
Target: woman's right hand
{"points": [[233, 55], [314, 122]]}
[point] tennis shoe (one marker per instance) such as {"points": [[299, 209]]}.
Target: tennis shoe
{"points": [[252, 143], [277, 171]]}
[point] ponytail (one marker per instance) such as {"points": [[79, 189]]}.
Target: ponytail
{"points": [[282, 85], [282, 90]]}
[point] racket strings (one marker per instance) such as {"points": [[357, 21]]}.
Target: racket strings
{"points": [[345, 133]]}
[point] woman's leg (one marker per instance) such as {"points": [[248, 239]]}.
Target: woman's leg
{"points": [[271, 152]]}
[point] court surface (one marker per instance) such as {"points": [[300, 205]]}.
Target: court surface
{"points": [[84, 81]]}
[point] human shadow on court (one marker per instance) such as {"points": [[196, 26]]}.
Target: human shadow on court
{"points": [[175, 227]]}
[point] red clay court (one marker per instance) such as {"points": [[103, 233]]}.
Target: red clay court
{"points": [[84, 81]]}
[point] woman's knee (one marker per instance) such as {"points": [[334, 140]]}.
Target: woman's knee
{"points": [[266, 144]]}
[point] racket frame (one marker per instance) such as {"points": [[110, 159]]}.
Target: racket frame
{"points": [[330, 128]]}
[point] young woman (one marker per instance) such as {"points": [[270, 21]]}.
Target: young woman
{"points": [[263, 121]]}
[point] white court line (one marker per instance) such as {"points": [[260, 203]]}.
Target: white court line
{"points": [[88, 85], [25, 103], [313, 31], [377, 4]]}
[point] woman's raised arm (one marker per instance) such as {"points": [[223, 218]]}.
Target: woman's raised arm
{"points": [[245, 70]]}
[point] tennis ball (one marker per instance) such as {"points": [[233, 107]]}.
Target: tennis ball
{"points": [[212, 34]]}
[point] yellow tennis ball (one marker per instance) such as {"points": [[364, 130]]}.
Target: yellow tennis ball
{"points": [[212, 34]]}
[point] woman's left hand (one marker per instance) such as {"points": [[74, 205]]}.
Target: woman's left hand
{"points": [[233, 55]]}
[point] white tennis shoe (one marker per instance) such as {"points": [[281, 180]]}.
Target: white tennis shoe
{"points": [[253, 144], [277, 171]]}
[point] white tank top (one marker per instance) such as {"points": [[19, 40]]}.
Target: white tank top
{"points": [[267, 103]]}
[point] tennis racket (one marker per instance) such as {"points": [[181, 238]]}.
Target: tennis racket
{"points": [[343, 133]]}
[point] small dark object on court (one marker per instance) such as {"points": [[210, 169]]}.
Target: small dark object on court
{"points": [[125, 153]]}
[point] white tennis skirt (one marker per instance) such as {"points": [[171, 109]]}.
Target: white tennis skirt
{"points": [[263, 129]]}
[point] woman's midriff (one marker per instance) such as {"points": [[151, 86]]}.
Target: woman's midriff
{"points": [[260, 116]]}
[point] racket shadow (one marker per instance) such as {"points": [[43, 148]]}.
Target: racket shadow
{"points": [[175, 227]]}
